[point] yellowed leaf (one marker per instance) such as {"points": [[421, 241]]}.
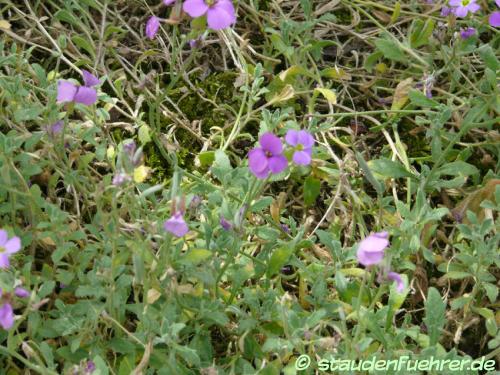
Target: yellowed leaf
{"points": [[401, 94], [4, 25], [328, 94], [286, 94], [153, 296]]}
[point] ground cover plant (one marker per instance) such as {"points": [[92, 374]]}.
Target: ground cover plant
{"points": [[240, 187]]}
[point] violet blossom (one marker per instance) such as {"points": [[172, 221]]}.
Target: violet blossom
{"points": [[396, 277], [152, 27], [21, 292], [463, 7], [494, 19], [268, 157], [371, 249], [86, 94], [220, 13], [6, 316], [7, 248], [176, 225], [226, 225], [467, 33], [302, 142]]}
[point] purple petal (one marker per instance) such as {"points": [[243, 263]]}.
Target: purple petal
{"points": [[445, 11], [383, 234], [306, 139], [6, 316], [371, 250], [257, 161], [494, 19], [302, 157], [13, 245], [226, 225], [497, 2], [221, 15], [176, 225], [3, 237], [168, 2], [195, 8], [56, 128], [89, 79], [467, 33], [277, 163], [461, 12], [4, 260], [85, 95], [292, 137], [66, 91], [455, 3], [396, 277], [473, 7], [21, 292], [152, 27], [271, 143]]}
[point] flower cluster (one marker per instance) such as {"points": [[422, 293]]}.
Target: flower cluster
{"points": [[9, 246], [461, 8], [269, 158], [220, 14], [371, 252], [86, 94]]}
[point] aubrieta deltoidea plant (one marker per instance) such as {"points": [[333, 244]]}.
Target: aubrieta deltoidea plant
{"points": [[232, 187]]}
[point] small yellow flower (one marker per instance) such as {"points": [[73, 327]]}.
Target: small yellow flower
{"points": [[141, 173]]}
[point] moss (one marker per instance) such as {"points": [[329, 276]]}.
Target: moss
{"points": [[219, 88]]}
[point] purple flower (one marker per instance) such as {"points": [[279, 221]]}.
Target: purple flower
{"points": [[396, 277], [120, 179], [494, 19], [220, 13], [176, 225], [55, 128], [6, 316], [7, 248], [90, 367], [152, 27], [371, 249], [226, 225], [302, 142], [467, 33], [463, 7], [168, 2], [130, 148], [445, 11], [268, 158], [86, 94], [21, 292], [497, 2], [285, 228]]}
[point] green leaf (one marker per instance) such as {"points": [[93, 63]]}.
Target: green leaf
{"points": [[206, 158], [434, 315], [421, 32], [389, 168], [84, 44], [419, 99], [144, 134], [391, 50], [368, 174], [196, 256], [278, 259], [312, 188], [488, 56]]}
